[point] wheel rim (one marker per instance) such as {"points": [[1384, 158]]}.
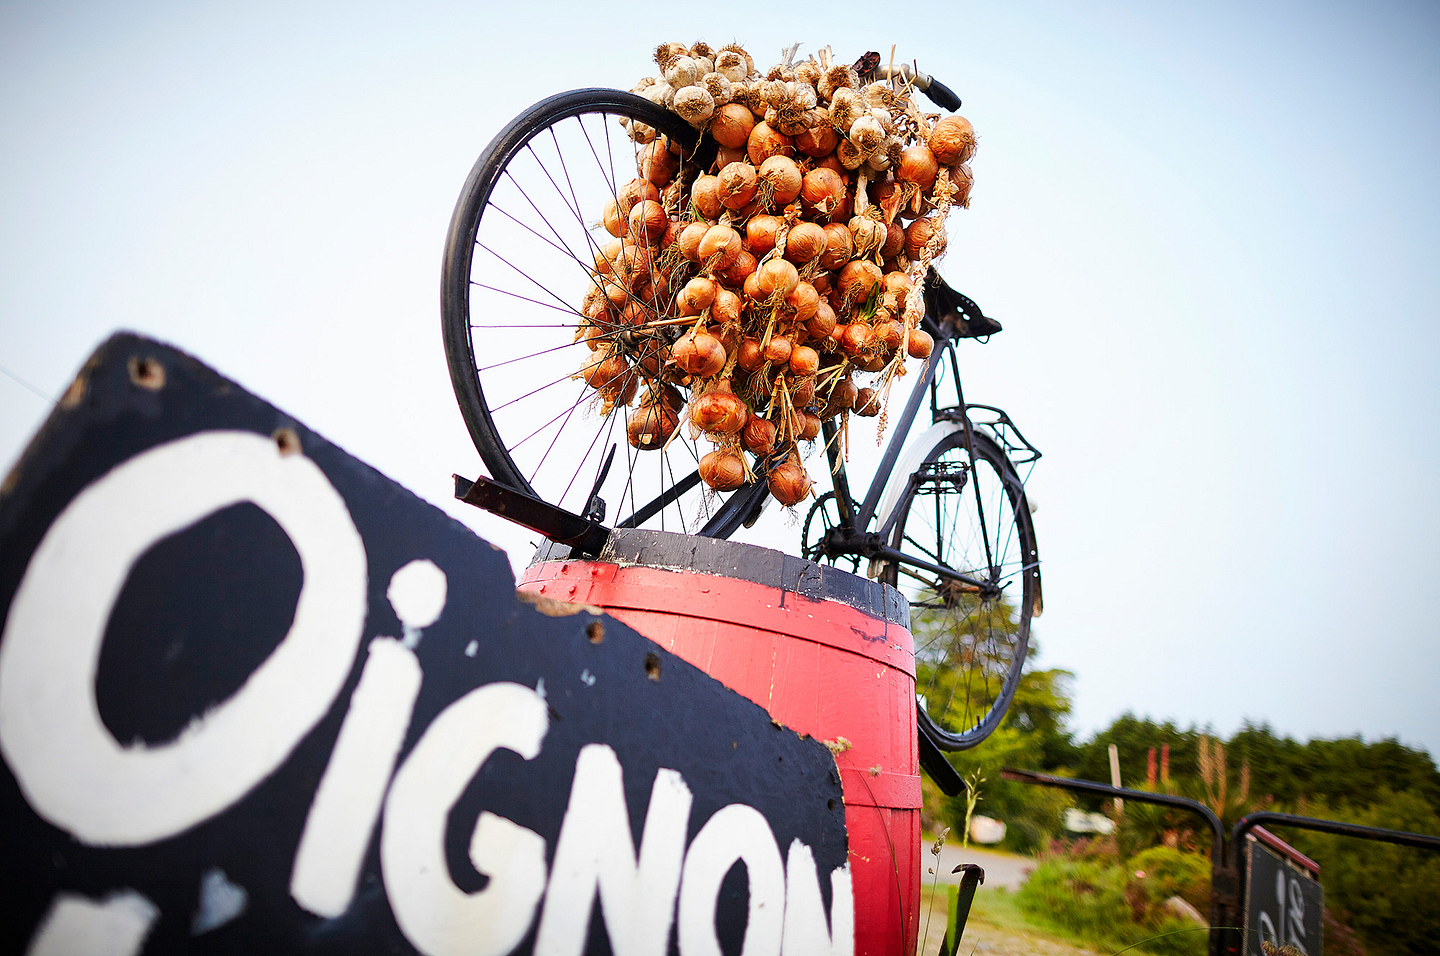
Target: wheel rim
{"points": [[969, 646], [520, 259]]}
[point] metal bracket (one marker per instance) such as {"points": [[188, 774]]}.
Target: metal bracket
{"points": [[557, 524]]}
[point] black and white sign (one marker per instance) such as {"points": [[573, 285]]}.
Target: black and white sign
{"points": [[257, 698], [1284, 905]]}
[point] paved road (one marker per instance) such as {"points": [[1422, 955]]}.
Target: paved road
{"points": [[1001, 869]]}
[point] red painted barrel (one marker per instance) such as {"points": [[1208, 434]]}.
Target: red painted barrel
{"points": [[825, 652]]}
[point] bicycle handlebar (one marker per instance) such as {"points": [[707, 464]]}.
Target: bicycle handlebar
{"points": [[940, 94]]}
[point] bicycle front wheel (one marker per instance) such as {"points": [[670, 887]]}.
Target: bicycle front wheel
{"points": [[966, 516], [529, 246]]}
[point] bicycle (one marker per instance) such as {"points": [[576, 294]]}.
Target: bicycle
{"points": [[521, 249]]}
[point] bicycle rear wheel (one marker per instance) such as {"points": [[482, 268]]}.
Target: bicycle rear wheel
{"points": [[522, 254], [970, 517]]}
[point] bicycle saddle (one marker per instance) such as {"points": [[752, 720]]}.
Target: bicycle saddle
{"points": [[944, 304]]}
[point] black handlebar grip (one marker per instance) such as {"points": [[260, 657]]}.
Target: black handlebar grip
{"points": [[942, 96]]}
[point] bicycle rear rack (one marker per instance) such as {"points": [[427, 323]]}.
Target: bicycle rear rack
{"points": [[999, 426]]}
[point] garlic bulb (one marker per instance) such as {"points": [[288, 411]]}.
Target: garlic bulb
{"points": [[867, 134], [682, 71], [717, 86], [731, 65], [845, 107], [694, 105]]}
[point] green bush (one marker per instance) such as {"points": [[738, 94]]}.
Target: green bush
{"points": [[1170, 872], [1108, 905]]}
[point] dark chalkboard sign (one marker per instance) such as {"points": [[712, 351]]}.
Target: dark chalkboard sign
{"points": [[1284, 903], [257, 698]]}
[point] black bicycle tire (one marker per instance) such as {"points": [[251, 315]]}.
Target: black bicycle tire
{"points": [[457, 264], [987, 450]]}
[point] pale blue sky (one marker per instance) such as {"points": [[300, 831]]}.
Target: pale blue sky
{"points": [[1211, 231]]}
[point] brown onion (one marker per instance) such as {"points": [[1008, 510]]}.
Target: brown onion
{"points": [[809, 426], [751, 357], [952, 141], [782, 175], [689, 240], [603, 372], [658, 164], [920, 344], [615, 224], [740, 270], [917, 236], [822, 323], [854, 338], [758, 435], [804, 242], [845, 393], [726, 307], [867, 403], [894, 239], [634, 191], [651, 426], [818, 140], [766, 141], [648, 219], [720, 247], [803, 301], [738, 184], [858, 280], [722, 469], [719, 411], [776, 277], [804, 360], [898, 283], [822, 191], [731, 125], [839, 246], [699, 353], [802, 391], [778, 349], [890, 334], [705, 194], [697, 295], [789, 482], [760, 233], [917, 165]]}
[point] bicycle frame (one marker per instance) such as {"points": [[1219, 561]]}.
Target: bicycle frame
{"points": [[850, 536]]}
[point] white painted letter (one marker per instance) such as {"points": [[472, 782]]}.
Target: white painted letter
{"points": [[347, 803], [435, 915], [806, 932], [72, 771], [596, 852], [736, 832], [75, 926]]}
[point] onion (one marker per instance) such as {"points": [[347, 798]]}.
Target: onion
{"points": [[822, 191], [869, 235], [839, 246], [776, 278], [705, 194], [894, 239], [867, 403], [804, 242], [809, 426], [760, 233], [802, 391], [858, 280], [845, 393], [917, 165], [658, 164], [788, 481], [738, 183], [758, 435], [615, 224], [720, 247], [765, 142], [782, 175], [751, 288], [722, 469], [920, 344], [751, 357], [952, 141], [778, 349], [963, 179], [740, 270], [803, 301], [719, 411], [822, 323], [725, 309], [917, 236], [699, 353], [890, 334], [697, 295], [634, 191], [898, 283], [648, 219], [689, 240], [651, 426], [731, 125], [605, 371], [854, 338], [804, 360], [818, 140]]}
